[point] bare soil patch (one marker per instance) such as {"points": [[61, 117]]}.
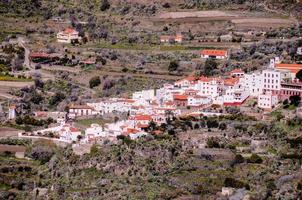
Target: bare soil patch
{"points": [[11, 148], [8, 132], [195, 14], [262, 22]]}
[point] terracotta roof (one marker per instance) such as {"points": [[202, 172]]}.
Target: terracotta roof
{"points": [[69, 31], [293, 68], [132, 130], [139, 125], [157, 132], [231, 81], [190, 78], [73, 129], [126, 100], [205, 79], [235, 71], [142, 117], [169, 103], [212, 52], [180, 97]]}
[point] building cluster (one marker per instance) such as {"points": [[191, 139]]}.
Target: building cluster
{"points": [[189, 95]]}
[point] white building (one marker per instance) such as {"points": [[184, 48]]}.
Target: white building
{"points": [[147, 95], [234, 92], [267, 100], [198, 100], [271, 80], [12, 112], [209, 86], [299, 50], [216, 54], [80, 111], [254, 83], [93, 132], [68, 35], [69, 133]]}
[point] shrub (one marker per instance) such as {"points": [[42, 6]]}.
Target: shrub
{"points": [[105, 5], [231, 182], [212, 143], [299, 185], [255, 159], [173, 66], [209, 67], [43, 154], [94, 81]]}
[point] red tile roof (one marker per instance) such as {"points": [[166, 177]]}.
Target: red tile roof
{"points": [[236, 71], [142, 117], [69, 30], [139, 125], [73, 129], [206, 79], [212, 52], [231, 81], [180, 97], [293, 68]]}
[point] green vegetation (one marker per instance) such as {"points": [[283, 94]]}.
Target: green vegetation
{"points": [[88, 122], [94, 81], [11, 78]]}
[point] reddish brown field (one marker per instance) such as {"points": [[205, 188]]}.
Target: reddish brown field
{"points": [[8, 132], [12, 148]]}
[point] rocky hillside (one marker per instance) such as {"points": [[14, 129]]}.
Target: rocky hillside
{"points": [[147, 8]]}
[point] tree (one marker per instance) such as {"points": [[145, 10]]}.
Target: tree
{"points": [[212, 143], [57, 98], [299, 75], [255, 159], [209, 67], [105, 5], [222, 126], [43, 154], [173, 66], [295, 100], [94, 81]]}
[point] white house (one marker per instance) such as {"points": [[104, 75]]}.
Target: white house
{"points": [[271, 80], [93, 132], [80, 111], [237, 73], [216, 54], [12, 112], [198, 100], [69, 133], [147, 95], [209, 86], [68, 35], [254, 83], [299, 50], [267, 100], [235, 93]]}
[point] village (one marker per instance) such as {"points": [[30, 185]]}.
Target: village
{"points": [[191, 96], [185, 100]]}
